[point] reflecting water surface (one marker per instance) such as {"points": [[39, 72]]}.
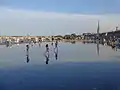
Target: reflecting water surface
{"points": [[69, 67]]}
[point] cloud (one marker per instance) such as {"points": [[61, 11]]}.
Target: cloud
{"points": [[22, 22]]}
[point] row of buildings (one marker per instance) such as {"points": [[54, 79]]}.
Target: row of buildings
{"points": [[112, 35], [27, 39], [85, 36]]}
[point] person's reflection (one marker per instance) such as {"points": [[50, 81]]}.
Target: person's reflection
{"points": [[47, 58], [7, 43], [56, 52], [114, 48], [56, 44], [98, 51], [27, 56], [52, 43], [83, 42], [73, 42], [27, 53], [47, 54], [39, 44]]}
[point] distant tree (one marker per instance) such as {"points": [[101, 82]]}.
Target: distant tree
{"points": [[58, 36], [73, 36], [67, 37]]}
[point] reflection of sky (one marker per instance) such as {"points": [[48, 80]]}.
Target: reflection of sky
{"points": [[67, 52], [78, 67]]}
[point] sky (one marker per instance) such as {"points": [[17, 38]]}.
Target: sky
{"points": [[57, 17]]}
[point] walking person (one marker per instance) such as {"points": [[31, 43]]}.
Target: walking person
{"points": [[47, 48], [27, 47], [56, 44]]}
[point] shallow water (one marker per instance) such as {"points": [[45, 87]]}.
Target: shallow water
{"points": [[77, 67]]}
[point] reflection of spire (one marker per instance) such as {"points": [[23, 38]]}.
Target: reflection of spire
{"points": [[98, 51]]}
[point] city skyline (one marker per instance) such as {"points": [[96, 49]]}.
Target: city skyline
{"points": [[44, 17]]}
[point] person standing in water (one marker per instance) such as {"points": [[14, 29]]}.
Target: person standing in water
{"points": [[52, 41], [47, 48], [27, 47], [56, 44]]}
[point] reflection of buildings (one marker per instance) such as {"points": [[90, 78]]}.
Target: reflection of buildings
{"points": [[102, 36], [73, 42]]}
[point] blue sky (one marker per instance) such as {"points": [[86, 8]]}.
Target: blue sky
{"points": [[69, 6], [50, 17]]}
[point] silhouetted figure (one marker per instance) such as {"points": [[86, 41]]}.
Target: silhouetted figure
{"points": [[47, 48], [56, 44], [52, 39], [27, 47], [56, 53]]}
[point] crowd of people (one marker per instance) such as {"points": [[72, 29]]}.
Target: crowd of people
{"points": [[47, 51], [55, 51]]}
